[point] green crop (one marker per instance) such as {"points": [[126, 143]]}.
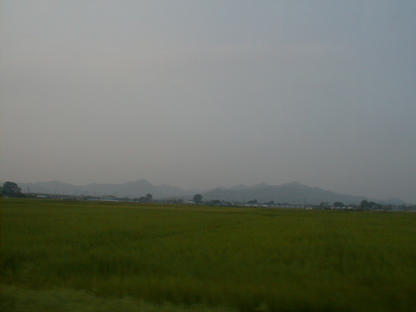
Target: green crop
{"points": [[91, 256]]}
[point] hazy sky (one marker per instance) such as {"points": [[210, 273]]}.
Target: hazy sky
{"points": [[210, 93]]}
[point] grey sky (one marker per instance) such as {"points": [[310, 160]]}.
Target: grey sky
{"points": [[207, 93]]}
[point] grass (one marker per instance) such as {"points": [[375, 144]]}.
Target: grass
{"points": [[67, 300], [90, 256]]}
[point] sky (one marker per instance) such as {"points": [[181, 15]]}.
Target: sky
{"points": [[201, 94]]}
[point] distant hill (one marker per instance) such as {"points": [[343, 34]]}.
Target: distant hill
{"points": [[293, 193], [130, 189], [286, 193]]}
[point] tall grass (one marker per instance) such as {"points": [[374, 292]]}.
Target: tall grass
{"points": [[245, 259]]}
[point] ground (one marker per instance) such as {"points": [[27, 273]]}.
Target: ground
{"points": [[92, 256]]}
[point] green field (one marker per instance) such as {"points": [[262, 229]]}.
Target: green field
{"points": [[96, 256]]}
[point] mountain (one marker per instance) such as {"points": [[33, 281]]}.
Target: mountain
{"points": [[130, 189], [393, 202], [294, 192]]}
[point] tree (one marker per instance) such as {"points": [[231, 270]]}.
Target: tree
{"points": [[338, 204], [146, 199], [198, 198], [366, 205], [11, 189]]}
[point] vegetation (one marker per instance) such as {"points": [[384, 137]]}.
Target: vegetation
{"points": [[95, 256], [146, 199], [198, 198], [11, 189], [365, 205], [22, 299]]}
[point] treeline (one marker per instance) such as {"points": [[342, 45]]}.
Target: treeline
{"points": [[11, 189]]}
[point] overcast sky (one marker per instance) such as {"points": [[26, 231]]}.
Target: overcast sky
{"points": [[202, 93]]}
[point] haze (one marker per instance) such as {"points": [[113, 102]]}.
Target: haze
{"points": [[201, 94]]}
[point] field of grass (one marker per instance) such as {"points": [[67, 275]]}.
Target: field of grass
{"points": [[96, 256]]}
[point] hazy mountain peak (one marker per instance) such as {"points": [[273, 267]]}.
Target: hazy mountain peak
{"points": [[261, 184], [131, 189], [294, 184], [141, 182], [293, 192]]}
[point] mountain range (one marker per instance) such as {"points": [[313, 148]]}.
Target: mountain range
{"points": [[293, 193], [129, 189]]}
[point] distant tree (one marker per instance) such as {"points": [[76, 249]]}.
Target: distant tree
{"points": [[198, 198], [374, 205], [145, 199], [366, 205], [253, 202], [338, 204], [11, 189]]}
